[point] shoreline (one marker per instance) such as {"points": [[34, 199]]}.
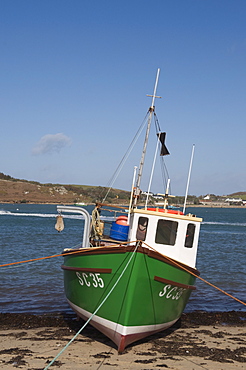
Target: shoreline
{"points": [[59, 319], [126, 205], [199, 340]]}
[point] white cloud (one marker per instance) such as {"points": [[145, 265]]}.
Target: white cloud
{"points": [[51, 143]]}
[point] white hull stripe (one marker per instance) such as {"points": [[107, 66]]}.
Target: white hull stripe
{"points": [[122, 330]]}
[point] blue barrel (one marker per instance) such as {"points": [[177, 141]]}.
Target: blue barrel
{"points": [[119, 232]]}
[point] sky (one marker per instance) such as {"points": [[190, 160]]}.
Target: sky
{"points": [[74, 76]]}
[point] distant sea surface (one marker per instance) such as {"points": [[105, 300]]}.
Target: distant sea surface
{"points": [[27, 232]]}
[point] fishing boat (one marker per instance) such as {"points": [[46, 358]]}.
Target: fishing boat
{"points": [[137, 280]]}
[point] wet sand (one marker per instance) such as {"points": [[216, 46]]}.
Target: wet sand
{"points": [[199, 340]]}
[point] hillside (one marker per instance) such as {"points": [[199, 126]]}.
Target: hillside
{"points": [[240, 194], [22, 191]]}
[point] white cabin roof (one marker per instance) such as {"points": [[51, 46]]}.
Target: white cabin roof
{"points": [[168, 213]]}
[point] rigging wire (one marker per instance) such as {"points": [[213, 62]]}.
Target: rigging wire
{"points": [[124, 158], [164, 170]]}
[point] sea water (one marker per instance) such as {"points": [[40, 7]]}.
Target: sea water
{"points": [[27, 232]]}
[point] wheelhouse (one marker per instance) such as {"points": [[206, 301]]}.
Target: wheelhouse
{"points": [[172, 234]]}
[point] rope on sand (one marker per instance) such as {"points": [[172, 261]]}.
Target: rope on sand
{"points": [[97, 309]]}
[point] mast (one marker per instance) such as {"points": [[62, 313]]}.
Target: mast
{"points": [[151, 110]]}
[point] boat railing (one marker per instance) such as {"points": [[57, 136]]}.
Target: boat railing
{"points": [[85, 213]]}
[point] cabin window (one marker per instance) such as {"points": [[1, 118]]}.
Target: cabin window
{"points": [[166, 232], [142, 228], [190, 232]]}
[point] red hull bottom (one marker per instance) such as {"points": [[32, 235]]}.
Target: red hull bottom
{"points": [[121, 340], [125, 340]]}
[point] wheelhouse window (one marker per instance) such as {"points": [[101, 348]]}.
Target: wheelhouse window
{"points": [[166, 232], [142, 228], [190, 232]]}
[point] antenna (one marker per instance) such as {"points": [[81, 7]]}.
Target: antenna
{"points": [[188, 180], [133, 181]]}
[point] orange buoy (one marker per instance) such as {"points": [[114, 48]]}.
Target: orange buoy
{"points": [[173, 211], [122, 220]]}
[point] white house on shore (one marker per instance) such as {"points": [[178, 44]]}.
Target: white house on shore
{"points": [[236, 201]]}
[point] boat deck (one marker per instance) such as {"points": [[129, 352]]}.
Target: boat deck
{"points": [[106, 241]]}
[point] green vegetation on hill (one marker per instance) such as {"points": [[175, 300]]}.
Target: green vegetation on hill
{"points": [[240, 194], [14, 190]]}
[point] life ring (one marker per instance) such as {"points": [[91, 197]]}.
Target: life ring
{"points": [[122, 220], [174, 212]]}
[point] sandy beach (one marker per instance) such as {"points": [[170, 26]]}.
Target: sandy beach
{"points": [[198, 341]]}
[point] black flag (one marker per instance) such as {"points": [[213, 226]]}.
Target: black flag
{"points": [[162, 136]]}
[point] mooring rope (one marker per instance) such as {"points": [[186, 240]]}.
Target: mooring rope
{"points": [[192, 273], [170, 259], [38, 259], [97, 309], [68, 253]]}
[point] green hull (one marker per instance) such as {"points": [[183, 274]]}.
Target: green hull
{"points": [[150, 295]]}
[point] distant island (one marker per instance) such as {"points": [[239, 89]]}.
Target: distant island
{"points": [[14, 190]]}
